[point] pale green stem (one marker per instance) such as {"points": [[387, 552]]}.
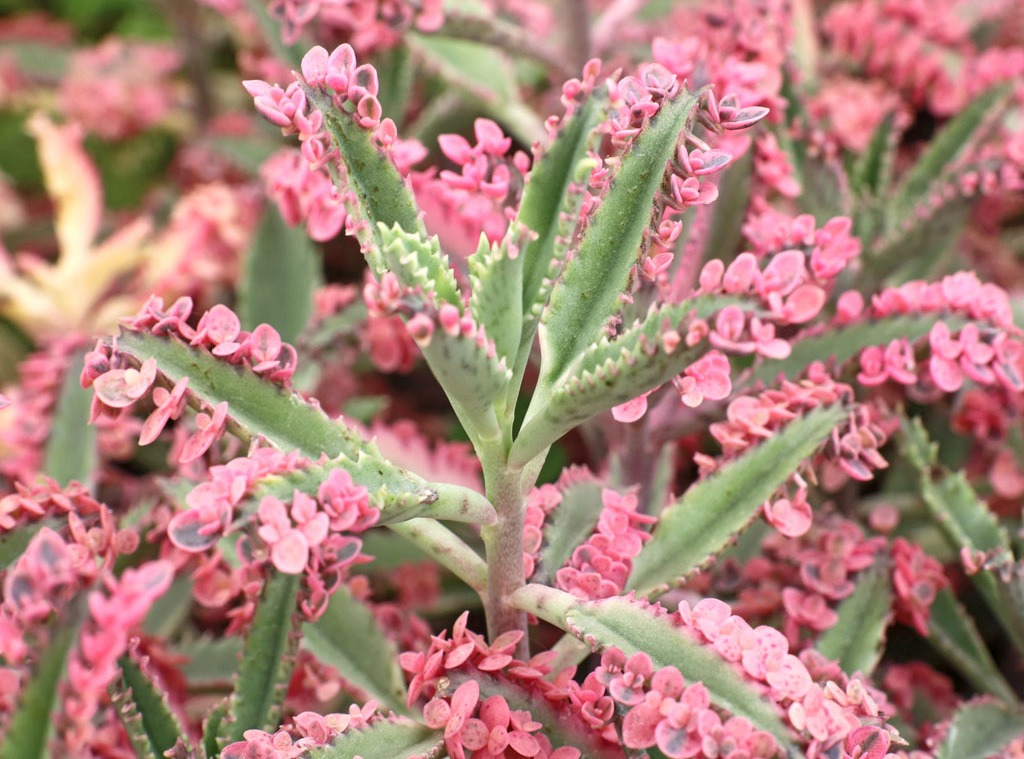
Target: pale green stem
{"points": [[442, 544], [547, 603]]}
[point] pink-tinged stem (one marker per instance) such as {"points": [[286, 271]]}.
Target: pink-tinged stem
{"points": [[504, 543]]}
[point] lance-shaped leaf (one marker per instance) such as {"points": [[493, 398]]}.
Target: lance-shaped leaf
{"points": [[611, 372], [496, 275], [390, 738], [142, 706], [951, 630], [281, 273], [633, 626], [71, 447], [709, 516], [843, 344], [587, 295], [572, 522], [981, 729], [397, 492], [871, 173], [348, 638], [28, 729], [550, 207], [14, 542], [956, 138], [858, 638], [267, 660], [257, 407], [967, 523], [417, 261], [381, 195]]}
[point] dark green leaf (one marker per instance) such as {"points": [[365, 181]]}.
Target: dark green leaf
{"points": [[572, 523], [858, 638], [71, 447], [980, 730], [145, 711]]}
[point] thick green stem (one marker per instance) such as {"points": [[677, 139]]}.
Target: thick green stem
{"points": [[504, 543]]}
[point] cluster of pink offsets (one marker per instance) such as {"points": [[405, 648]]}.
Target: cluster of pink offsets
{"points": [[705, 379], [485, 191], [925, 52], [836, 711], [304, 194], [369, 25], [495, 732], [540, 504], [916, 578], [309, 730], [600, 567], [661, 710]]}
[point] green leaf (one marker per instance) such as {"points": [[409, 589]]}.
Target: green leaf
{"points": [[967, 523], [981, 729], [633, 626], [957, 137], [212, 726], [857, 640], [147, 716], [281, 273], [381, 194], [588, 293], [267, 660], [496, 299], [572, 522], [348, 638], [483, 73], [390, 738], [611, 372], [28, 729], [417, 261], [715, 510], [843, 344], [212, 661], [951, 630], [71, 448], [398, 493], [257, 406]]}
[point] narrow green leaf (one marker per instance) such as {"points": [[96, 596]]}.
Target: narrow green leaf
{"points": [[348, 638], [282, 270], [981, 729], [572, 523], [71, 448], [951, 630], [857, 640], [212, 661], [259, 407], [712, 512], [956, 138], [633, 626], [29, 727], [871, 173], [267, 660], [496, 301], [14, 542], [588, 292], [145, 712], [392, 738]]}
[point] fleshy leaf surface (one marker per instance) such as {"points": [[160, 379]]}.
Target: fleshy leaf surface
{"points": [[857, 640]]}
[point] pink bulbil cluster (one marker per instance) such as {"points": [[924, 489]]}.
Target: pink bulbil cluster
{"points": [[600, 567], [309, 731], [916, 578], [368, 24]]}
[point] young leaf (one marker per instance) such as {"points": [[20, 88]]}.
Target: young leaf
{"points": [[857, 640], [951, 630], [267, 660], [956, 138], [383, 739], [611, 372], [212, 726], [71, 447], [348, 638], [587, 295], [633, 626], [417, 261], [571, 523], [28, 729], [981, 729], [496, 299], [281, 272], [693, 529], [143, 708]]}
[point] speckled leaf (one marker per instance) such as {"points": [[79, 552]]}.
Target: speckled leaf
{"points": [[393, 738], [348, 638], [981, 729], [267, 660], [587, 295], [857, 640], [695, 528]]}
